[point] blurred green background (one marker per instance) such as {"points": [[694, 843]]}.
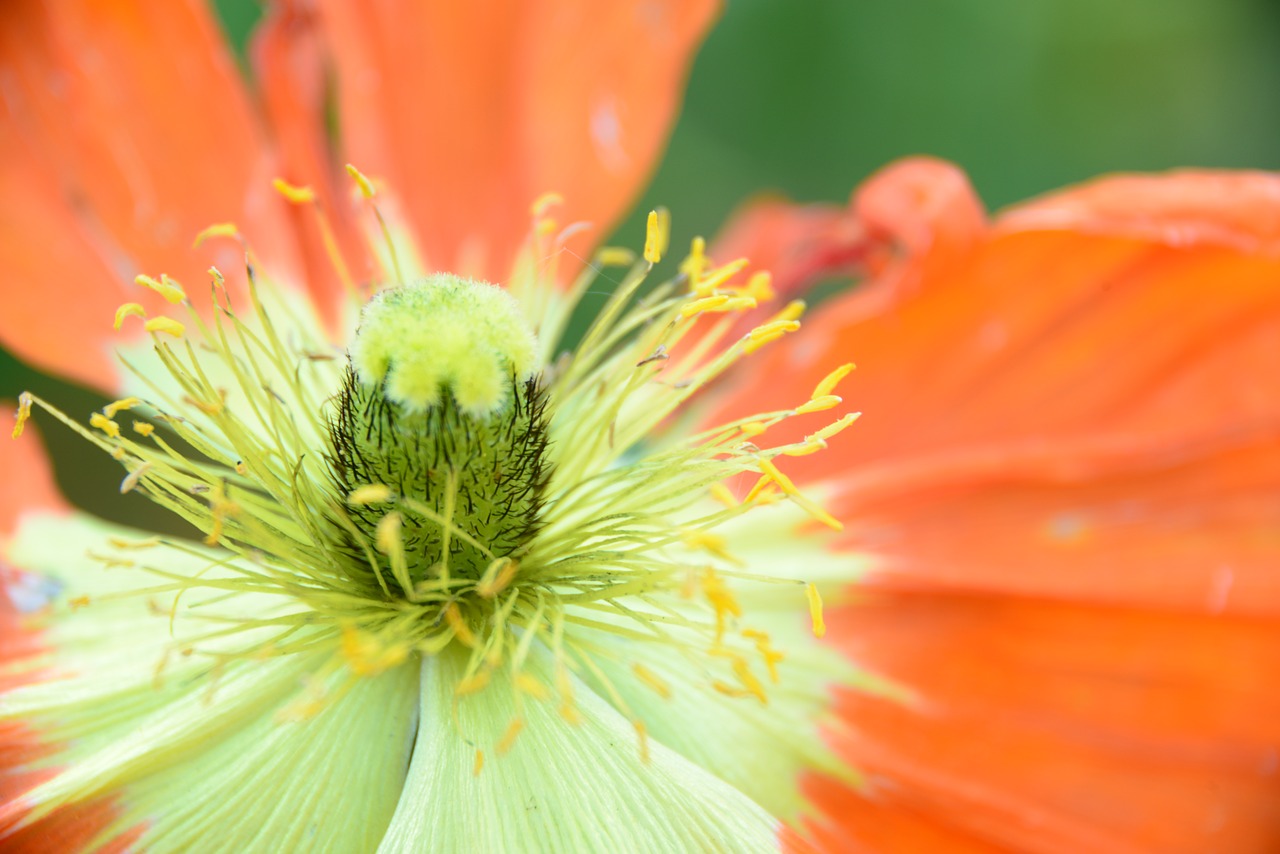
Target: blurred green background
{"points": [[807, 97]]}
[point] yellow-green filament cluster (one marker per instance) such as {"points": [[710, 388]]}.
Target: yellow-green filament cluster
{"points": [[354, 495]]}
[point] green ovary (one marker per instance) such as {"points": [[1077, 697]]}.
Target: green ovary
{"points": [[440, 405]]}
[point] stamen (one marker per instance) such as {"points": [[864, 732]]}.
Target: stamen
{"points": [[509, 737], [129, 309], [829, 382], [306, 195], [111, 409], [367, 190], [651, 679], [815, 610], [105, 424], [165, 287], [373, 493], [657, 235], [167, 325], [23, 413], [820, 404], [221, 229]]}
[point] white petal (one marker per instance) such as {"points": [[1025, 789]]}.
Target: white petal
{"points": [[561, 787]]}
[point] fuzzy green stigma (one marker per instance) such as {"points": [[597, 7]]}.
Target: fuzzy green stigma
{"points": [[441, 411], [444, 337]]}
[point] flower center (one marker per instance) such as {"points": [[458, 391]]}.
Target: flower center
{"points": [[442, 414]]}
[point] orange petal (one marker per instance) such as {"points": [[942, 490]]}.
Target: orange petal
{"points": [[471, 111], [1075, 349], [920, 204], [1198, 535], [28, 479], [289, 62], [125, 131], [1238, 209], [1042, 726]]}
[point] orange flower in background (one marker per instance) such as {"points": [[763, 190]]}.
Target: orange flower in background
{"points": [[1049, 545]]}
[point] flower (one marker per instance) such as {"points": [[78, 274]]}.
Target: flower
{"points": [[1051, 582]]}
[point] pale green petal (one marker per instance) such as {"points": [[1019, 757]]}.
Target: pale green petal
{"points": [[761, 748], [206, 757], [326, 783], [561, 787]]}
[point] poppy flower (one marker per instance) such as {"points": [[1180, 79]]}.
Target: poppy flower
{"points": [[455, 589]]}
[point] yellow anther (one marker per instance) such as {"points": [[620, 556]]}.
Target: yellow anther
{"points": [[829, 382], [371, 493], [758, 489], [142, 428], [791, 311], [117, 454], [657, 235], [820, 404], [105, 424], [23, 413], [221, 229], [767, 333], [753, 428], [764, 646], [773, 328], [241, 468], [497, 577], [653, 680], [221, 510], [760, 286], [164, 286], [296, 195], [723, 494], [111, 409], [362, 181], [205, 406], [167, 325], [531, 686], [722, 601], [642, 735], [546, 226], [815, 610], [564, 686], [479, 764], [368, 656], [78, 602], [121, 543], [835, 427], [748, 679], [754, 344], [129, 309], [729, 690], [453, 617], [133, 478], [705, 304], [698, 539], [508, 739], [784, 483], [720, 275], [218, 279], [696, 264], [612, 256], [811, 445], [739, 304], [544, 203], [472, 684]]}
